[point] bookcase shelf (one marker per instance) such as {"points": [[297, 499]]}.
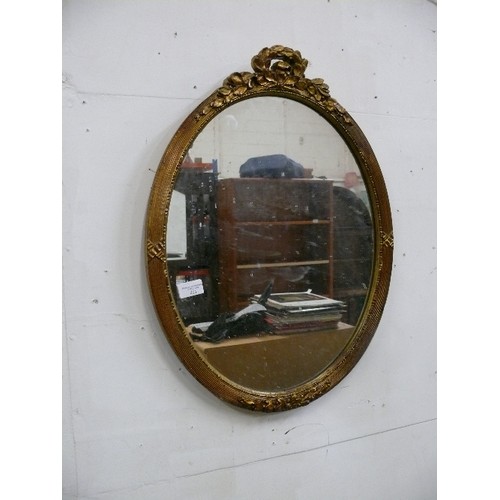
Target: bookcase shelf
{"points": [[284, 223], [259, 265], [278, 230]]}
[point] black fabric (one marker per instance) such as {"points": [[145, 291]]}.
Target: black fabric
{"points": [[353, 238]]}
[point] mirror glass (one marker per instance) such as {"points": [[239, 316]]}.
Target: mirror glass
{"points": [[270, 243]]}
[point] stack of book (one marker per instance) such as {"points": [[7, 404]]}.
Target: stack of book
{"points": [[296, 312]]}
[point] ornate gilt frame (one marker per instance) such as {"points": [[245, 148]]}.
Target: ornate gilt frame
{"points": [[278, 71]]}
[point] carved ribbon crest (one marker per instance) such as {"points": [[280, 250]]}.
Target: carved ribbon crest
{"points": [[279, 67]]}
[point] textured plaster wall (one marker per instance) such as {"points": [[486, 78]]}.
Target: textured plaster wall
{"points": [[136, 425]]}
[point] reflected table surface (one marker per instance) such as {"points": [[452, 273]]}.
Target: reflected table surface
{"points": [[276, 362]]}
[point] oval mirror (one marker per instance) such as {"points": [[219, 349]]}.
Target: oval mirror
{"points": [[269, 238]]}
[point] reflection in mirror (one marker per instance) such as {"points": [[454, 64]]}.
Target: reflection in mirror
{"points": [[270, 243]]}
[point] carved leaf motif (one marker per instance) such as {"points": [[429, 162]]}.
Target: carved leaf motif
{"points": [[236, 79], [285, 402], [218, 103], [240, 90], [330, 104]]}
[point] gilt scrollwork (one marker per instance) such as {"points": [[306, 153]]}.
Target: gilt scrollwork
{"points": [[277, 67]]}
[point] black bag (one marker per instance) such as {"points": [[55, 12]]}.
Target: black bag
{"points": [[248, 321], [274, 166]]}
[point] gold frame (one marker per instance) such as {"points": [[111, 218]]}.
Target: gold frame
{"points": [[279, 72]]}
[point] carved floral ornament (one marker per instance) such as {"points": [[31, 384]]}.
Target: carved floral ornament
{"points": [[286, 72]]}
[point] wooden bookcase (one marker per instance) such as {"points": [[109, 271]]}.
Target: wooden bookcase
{"points": [[274, 229]]}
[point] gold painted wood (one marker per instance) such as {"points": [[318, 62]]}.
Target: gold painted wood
{"points": [[280, 72]]}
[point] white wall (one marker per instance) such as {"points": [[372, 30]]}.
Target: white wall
{"points": [[136, 424]]}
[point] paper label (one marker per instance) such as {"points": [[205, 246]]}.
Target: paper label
{"points": [[190, 288]]}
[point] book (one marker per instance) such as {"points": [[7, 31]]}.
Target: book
{"points": [[294, 312], [290, 301]]}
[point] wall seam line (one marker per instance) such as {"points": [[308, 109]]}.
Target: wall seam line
{"points": [[329, 445]]}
